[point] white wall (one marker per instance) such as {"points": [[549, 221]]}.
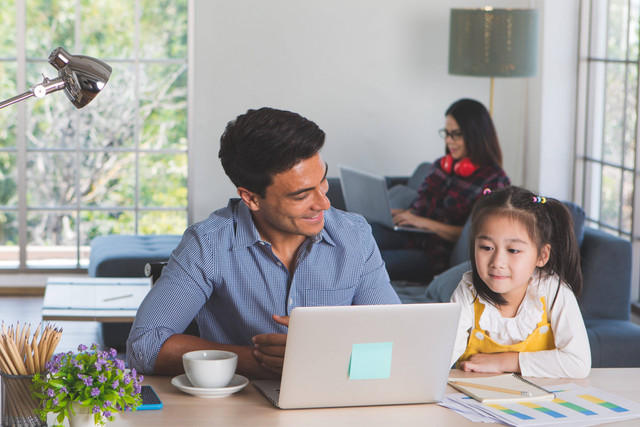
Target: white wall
{"points": [[373, 75]]}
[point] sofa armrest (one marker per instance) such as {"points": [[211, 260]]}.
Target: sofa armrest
{"points": [[606, 272]]}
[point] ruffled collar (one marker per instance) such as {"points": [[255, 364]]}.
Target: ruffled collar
{"points": [[518, 328]]}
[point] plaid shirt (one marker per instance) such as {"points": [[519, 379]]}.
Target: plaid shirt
{"points": [[449, 199]]}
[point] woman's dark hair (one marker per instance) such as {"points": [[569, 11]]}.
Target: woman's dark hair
{"points": [[546, 223], [262, 143], [478, 131]]}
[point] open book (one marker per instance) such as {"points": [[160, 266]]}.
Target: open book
{"points": [[500, 388]]}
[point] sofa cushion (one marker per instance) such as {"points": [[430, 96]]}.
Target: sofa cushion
{"points": [[614, 343], [442, 286], [120, 255], [578, 215]]}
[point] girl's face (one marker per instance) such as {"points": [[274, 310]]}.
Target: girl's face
{"points": [[454, 140], [506, 257]]}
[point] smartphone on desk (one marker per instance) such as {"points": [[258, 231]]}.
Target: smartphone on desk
{"points": [[150, 399]]}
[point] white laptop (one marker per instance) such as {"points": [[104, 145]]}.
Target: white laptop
{"points": [[365, 355], [367, 194]]}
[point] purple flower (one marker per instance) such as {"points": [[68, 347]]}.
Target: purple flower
{"points": [[121, 392], [95, 409], [88, 381], [64, 390], [113, 352], [50, 392], [95, 392], [119, 364], [127, 379], [106, 404], [55, 401], [107, 414], [82, 348], [115, 384], [101, 378]]}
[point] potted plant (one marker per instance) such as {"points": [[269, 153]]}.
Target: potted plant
{"points": [[90, 382]]}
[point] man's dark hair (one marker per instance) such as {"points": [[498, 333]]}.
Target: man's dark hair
{"points": [[262, 143]]}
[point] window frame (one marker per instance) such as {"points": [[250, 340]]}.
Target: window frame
{"points": [[21, 150], [590, 117]]}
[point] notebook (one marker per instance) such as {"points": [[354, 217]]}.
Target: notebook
{"points": [[365, 355], [501, 388], [367, 194]]}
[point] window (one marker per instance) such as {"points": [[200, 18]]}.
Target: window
{"points": [[607, 167], [119, 165]]}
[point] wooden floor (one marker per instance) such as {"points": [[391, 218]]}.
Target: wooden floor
{"points": [[27, 309]]}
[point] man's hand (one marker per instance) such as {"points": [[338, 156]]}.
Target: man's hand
{"points": [[495, 362], [269, 348]]}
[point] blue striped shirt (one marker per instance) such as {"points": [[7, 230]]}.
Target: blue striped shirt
{"points": [[228, 278]]}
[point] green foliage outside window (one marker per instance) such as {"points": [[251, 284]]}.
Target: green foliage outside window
{"points": [[117, 166]]}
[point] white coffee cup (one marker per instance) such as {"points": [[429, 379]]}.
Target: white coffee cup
{"points": [[210, 368]]}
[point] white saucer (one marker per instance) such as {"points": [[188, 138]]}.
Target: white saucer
{"points": [[182, 383]]}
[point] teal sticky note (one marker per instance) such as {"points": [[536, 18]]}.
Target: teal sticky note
{"points": [[370, 361]]}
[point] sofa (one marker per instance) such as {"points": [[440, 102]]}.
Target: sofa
{"points": [[605, 301], [125, 255]]}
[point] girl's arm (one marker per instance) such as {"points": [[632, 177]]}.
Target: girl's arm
{"points": [[572, 356]]}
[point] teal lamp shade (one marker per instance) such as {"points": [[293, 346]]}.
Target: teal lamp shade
{"points": [[493, 42]]}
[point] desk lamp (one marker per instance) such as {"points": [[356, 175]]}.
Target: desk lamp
{"points": [[81, 77], [493, 43]]}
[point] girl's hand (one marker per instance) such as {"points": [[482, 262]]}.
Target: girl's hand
{"points": [[494, 363]]}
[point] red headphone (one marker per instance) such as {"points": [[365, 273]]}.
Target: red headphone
{"points": [[464, 167]]}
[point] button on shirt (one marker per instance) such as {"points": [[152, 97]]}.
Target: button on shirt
{"points": [[225, 276]]}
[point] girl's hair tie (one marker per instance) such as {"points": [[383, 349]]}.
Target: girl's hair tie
{"points": [[486, 191], [538, 199]]}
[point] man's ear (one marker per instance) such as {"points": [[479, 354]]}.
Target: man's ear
{"points": [[249, 198], [543, 258]]}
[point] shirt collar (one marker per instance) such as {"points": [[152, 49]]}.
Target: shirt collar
{"points": [[247, 234]]}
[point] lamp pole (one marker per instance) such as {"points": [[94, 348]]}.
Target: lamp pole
{"points": [[39, 91]]}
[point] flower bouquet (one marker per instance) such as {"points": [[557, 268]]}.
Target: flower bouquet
{"points": [[89, 380]]}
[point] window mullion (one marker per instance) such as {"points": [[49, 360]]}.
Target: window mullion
{"points": [[21, 136]]}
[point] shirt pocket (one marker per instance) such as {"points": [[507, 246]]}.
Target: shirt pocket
{"points": [[320, 298]]}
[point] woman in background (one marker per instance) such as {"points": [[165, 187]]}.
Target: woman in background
{"points": [[472, 163]]}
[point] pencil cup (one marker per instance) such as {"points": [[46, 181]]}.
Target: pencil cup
{"points": [[17, 404]]}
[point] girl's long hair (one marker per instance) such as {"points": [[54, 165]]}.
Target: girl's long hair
{"points": [[546, 223]]}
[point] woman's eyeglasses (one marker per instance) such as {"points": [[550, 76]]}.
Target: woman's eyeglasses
{"points": [[455, 135]]}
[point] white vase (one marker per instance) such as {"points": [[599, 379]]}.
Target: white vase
{"points": [[83, 417]]}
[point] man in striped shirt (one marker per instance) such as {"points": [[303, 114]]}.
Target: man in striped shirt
{"points": [[278, 246]]}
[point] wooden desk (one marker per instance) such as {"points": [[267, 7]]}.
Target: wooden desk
{"points": [[102, 299], [250, 408]]}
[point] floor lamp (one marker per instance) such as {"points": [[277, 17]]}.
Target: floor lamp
{"points": [[493, 43], [81, 77]]}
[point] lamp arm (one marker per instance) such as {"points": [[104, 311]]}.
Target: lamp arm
{"points": [[39, 91]]}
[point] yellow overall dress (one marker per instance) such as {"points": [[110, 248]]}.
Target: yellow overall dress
{"points": [[480, 342]]}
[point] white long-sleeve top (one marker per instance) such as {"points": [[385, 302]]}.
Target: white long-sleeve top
{"points": [[572, 356]]}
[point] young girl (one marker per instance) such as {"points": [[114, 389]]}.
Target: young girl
{"points": [[519, 307]]}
